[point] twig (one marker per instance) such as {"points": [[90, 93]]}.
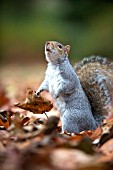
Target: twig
{"points": [[46, 115]]}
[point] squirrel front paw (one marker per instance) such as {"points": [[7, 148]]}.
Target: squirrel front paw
{"points": [[37, 93]]}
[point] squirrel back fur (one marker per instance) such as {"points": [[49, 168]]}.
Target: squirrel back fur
{"points": [[96, 77]]}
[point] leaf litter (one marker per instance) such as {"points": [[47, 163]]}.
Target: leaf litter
{"points": [[29, 139]]}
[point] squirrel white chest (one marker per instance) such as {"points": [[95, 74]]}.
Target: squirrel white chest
{"points": [[55, 83], [54, 79]]}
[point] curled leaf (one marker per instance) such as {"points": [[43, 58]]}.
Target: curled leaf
{"points": [[35, 104]]}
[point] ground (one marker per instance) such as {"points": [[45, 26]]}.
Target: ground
{"points": [[33, 141]]}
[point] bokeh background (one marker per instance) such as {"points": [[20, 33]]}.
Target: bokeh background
{"points": [[87, 25]]}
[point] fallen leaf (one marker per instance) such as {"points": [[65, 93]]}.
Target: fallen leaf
{"points": [[25, 120], [4, 119], [37, 109], [71, 159], [107, 133], [107, 147], [96, 134], [3, 98], [86, 145], [35, 104]]}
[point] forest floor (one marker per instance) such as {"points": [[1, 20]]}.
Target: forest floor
{"points": [[34, 141]]}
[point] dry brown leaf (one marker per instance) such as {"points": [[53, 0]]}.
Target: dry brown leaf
{"points": [[35, 104], [106, 135], [73, 159], [96, 134], [25, 120], [49, 127], [39, 108], [3, 99], [81, 135], [2, 147], [4, 119], [6, 124], [76, 138], [107, 147]]}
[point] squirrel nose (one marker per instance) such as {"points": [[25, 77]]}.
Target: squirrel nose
{"points": [[50, 44], [47, 43]]}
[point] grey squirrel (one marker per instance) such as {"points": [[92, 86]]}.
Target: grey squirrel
{"points": [[81, 93]]}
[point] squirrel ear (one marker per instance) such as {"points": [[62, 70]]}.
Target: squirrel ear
{"points": [[67, 49]]}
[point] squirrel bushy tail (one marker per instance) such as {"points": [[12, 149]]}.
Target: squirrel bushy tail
{"points": [[96, 77]]}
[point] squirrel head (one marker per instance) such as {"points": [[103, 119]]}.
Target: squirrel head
{"points": [[55, 50]]}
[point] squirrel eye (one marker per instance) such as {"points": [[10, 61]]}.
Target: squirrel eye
{"points": [[60, 46]]}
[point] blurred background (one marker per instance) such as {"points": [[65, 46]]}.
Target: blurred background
{"points": [[87, 25]]}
